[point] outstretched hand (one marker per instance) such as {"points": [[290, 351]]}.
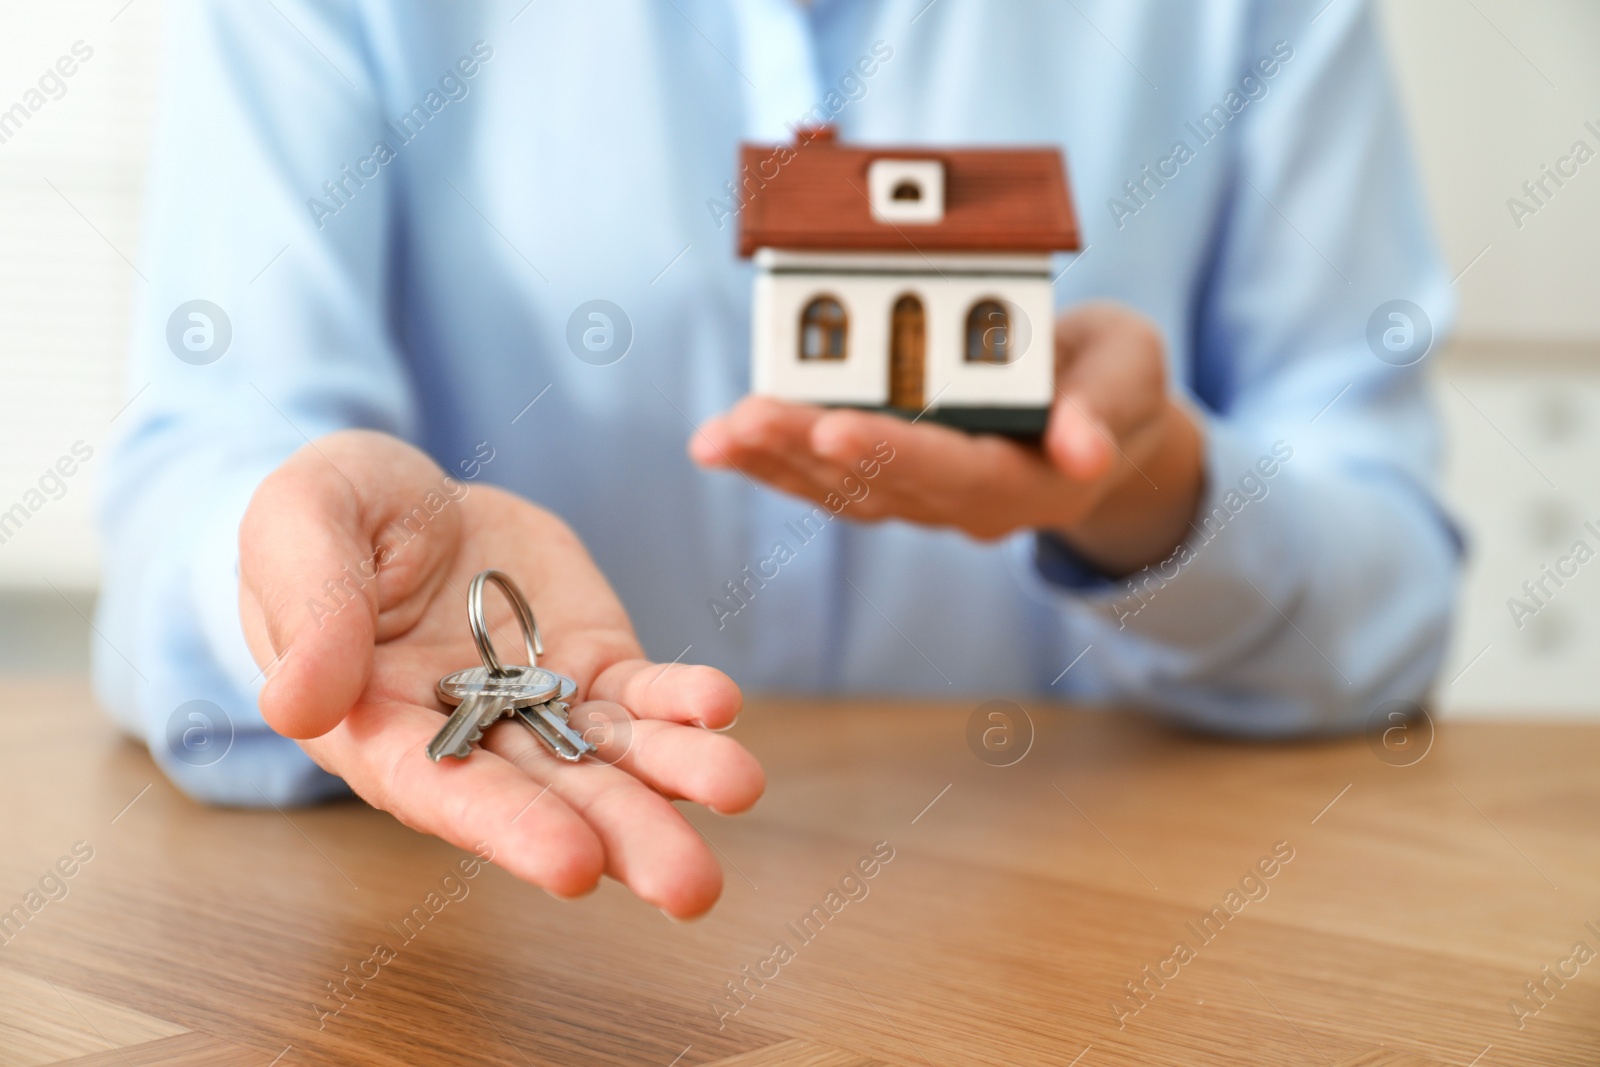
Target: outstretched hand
{"points": [[1118, 473], [353, 676]]}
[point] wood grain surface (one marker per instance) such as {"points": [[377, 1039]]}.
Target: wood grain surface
{"points": [[1019, 903]]}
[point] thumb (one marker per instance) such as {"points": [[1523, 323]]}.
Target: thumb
{"points": [[1076, 440], [300, 537], [1110, 384], [322, 573]]}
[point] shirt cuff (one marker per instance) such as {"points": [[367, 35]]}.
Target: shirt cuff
{"points": [[1244, 534], [1062, 566], [214, 579]]}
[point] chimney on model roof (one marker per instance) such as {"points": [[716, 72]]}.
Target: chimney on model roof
{"points": [[806, 135]]}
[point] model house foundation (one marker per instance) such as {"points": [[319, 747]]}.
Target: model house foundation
{"points": [[913, 280]]}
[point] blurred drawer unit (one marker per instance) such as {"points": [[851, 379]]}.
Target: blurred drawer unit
{"points": [[1522, 474]]}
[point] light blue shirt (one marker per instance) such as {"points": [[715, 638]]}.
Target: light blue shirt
{"points": [[400, 204]]}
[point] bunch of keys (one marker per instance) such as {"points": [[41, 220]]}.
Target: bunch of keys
{"points": [[484, 695]]}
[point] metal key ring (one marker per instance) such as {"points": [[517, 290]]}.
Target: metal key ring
{"points": [[480, 626]]}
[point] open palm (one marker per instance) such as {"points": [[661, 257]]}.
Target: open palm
{"points": [[353, 676]]}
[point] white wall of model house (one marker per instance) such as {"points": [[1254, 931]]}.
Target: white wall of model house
{"points": [[867, 286]]}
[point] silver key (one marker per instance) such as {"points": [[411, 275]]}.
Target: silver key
{"points": [[522, 686], [466, 724], [549, 721], [483, 700], [485, 695]]}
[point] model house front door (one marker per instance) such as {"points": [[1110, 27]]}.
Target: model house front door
{"points": [[905, 355]]}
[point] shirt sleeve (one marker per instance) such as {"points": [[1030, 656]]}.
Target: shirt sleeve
{"points": [[1320, 574], [262, 325]]}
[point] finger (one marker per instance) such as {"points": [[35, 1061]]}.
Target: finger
{"points": [[708, 445], [683, 693], [780, 472], [784, 475], [1112, 369], [934, 474], [681, 762], [649, 846], [324, 647], [316, 589], [1079, 444], [762, 431], [378, 750], [767, 422]]}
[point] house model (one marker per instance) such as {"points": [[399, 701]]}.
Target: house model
{"points": [[913, 280]]}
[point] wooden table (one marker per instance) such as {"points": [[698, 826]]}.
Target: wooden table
{"points": [[1019, 901]]}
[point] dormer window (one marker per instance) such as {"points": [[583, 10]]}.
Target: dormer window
{"points": [[906, 191]]}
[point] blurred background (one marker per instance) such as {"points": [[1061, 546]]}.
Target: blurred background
{"points": [[1496, 90]]}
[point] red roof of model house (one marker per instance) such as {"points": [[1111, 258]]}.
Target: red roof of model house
{"points": [[995, 199]]}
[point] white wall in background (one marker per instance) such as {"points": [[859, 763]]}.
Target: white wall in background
{"points": [[1496, 90], [69, 187], [1522, 475]]}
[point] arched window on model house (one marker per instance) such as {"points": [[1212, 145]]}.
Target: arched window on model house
{"points": [[989, 333], [824, 330]]}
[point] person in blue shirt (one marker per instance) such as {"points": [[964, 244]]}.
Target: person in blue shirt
{"points": [[371, 222]]}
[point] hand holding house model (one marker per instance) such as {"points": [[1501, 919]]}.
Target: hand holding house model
{"points": [[912, 280]]}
